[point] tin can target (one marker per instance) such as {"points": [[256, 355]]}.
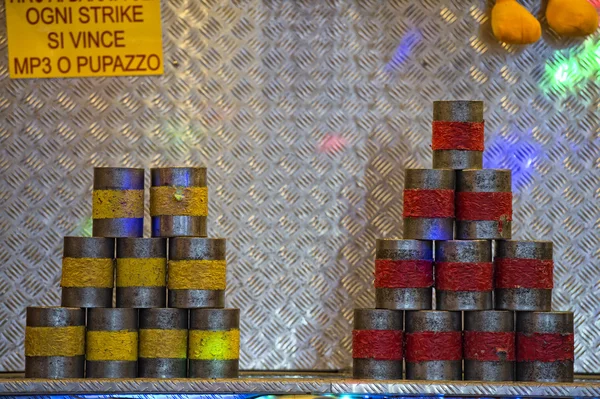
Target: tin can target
{"points": [[112, 343], [524, 275], [55, 342], [178, 202], [429, 204], [458, 135], [377, 347], [118, 202], [88, 272], [141, 272], [404, 274], [214, 343], [163, 343]]}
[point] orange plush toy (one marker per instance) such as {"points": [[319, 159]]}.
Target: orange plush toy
{"points": [[512, 23]]}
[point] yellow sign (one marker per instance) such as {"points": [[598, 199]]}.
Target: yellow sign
{"points": [[73, 38]]}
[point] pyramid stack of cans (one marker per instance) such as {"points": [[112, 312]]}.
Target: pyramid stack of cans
{"points": [[492, 319], [178, 267]]}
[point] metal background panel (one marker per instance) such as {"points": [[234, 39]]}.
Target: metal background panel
{"points": [[306, 113]]}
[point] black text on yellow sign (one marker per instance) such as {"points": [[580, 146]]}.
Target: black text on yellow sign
{"points": [[72, 38]]}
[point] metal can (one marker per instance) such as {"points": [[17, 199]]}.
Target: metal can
{"points": [[433, 345], [404, 274], [178, 202], [163, 343], [54, 342], [545, 346], [197, 272], [464, 275], [377, 344], [118, 202], [112, 343], [483, 204], [524, 275], [214, 343], [429, 204], [141, 272], [458, 135], [489, 345], [88, 272]]}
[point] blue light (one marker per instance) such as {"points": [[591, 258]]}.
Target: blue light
{"points": [[404, 49]]}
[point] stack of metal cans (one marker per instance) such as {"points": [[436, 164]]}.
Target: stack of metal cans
{"points": [[169, 319], [456, 297]]}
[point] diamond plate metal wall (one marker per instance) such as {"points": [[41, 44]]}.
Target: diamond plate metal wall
{"points": [[306, 113]]}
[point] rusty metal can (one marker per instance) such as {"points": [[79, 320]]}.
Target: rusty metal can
{"points": [[178, 202], [483, 204], [464, 275], [141, 272], [545, 346], [458, 135], [524, 275], [429, 204], [403, 274], [54, 342], [489, 345], [377, 344], [118, 202], [433, 345], [88, 272]]}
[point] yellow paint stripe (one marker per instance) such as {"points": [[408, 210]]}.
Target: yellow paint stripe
{"points": [[55, 341], [141, 272], [214, 345], [197, 274], [111, 345], [178, 201], [166, 344], [87, 272], [110, 204]]}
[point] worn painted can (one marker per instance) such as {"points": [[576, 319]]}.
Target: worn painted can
{"points": [[163, 343], [433, 345], [178, 202], [464, 275], [524, 275], [489, 345], [197, 272], [545, 346], [118, 202], [54, 342], [403, 274], [141, 272], [377, 344], [484, 204], [429, 204], [458, 135], [112, 343], [214, 343], [88, 272]]}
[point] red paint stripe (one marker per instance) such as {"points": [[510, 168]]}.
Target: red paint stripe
{"points": [[377, 344], [524, 273], [403, 273], [545, 347], [464, 276], [458, 136], [429, 345], [495, 206], [486, 346], [419, 203]]}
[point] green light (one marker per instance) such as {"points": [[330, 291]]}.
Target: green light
{"points": [[569, 71]]}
